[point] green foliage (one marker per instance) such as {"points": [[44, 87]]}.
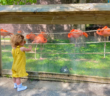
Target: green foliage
{"points": [[8, 76], [80, 64], [16, 2]]}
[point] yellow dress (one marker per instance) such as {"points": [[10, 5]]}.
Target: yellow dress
{"points": [[19, 63]]}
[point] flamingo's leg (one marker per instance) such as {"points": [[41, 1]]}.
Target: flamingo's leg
{"points": [[4, 41], [75, 42], [41, 52], [104, 46], [42, 46]]}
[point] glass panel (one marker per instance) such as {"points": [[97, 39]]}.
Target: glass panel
{"points": [[81, 56]]}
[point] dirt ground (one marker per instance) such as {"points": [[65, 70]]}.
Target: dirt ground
{"points": [[50, 88]]}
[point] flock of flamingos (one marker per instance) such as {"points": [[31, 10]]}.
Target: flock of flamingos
{"points": [[41, 37]]}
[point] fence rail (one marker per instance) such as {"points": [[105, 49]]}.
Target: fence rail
{"points": [[104, 52], [62, 32], [61, 77], [64, 53]]}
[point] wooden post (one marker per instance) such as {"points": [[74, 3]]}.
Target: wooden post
{"points": [[0, 58]]}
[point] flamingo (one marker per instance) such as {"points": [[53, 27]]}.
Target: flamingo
{"points": [[105, 31], [75, 33], [40, 38], [5, 33]]}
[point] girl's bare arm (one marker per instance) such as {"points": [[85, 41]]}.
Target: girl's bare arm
{"points": [[26, 49]]}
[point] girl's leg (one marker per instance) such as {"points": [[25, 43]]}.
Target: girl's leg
{"points": [[18, 81], [19, 85], [14, 80]]}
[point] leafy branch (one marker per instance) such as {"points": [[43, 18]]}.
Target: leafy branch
{"points": [[16, 2]]}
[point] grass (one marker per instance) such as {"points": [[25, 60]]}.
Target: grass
{"points": [[5, 39], [59, 55]]}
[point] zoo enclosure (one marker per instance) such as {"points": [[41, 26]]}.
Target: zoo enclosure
{"points": [[56, 14]]}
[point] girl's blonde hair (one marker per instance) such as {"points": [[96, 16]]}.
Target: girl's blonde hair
{"points": [[16, 40]]}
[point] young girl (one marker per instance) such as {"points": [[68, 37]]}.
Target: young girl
{"points": [[18, 67]]}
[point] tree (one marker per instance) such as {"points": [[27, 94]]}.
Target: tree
{"points": [[97, 1], [82, 1], [81, 26], [16, 2]]}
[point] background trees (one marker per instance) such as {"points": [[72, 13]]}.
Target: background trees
{"points": [[17, 2], [23, 2]]}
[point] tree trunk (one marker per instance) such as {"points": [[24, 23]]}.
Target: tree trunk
{"points": [[82, 1], [82, 26]]}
